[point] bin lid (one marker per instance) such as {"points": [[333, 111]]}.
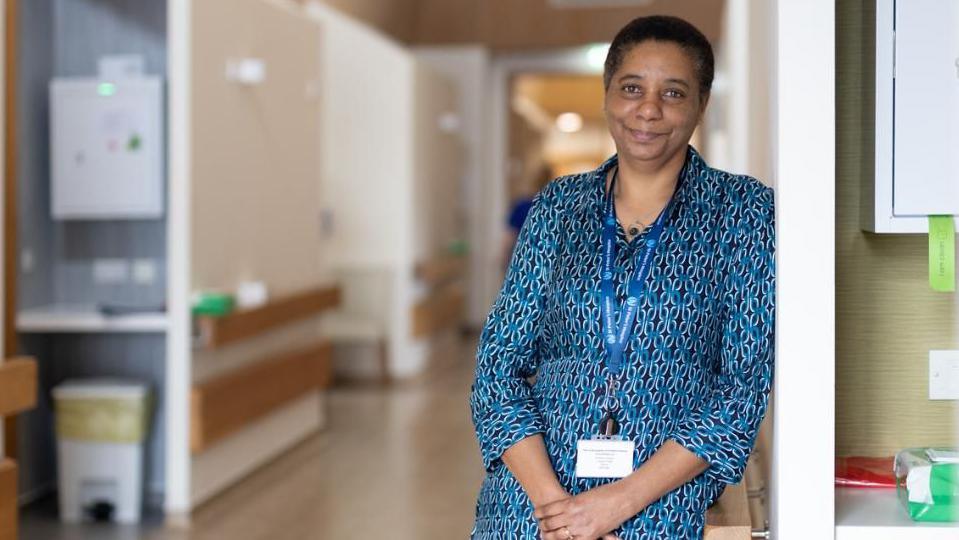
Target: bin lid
{"points": [[101, 387]]}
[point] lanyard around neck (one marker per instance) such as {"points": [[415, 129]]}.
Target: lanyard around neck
{"points": [[615, 335]]}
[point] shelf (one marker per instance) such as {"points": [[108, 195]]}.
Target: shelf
{"points": [[76, 319], [245, 324], [441, 310], [877, 514], [441, 269]]}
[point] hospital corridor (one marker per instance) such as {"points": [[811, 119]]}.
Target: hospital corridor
{"points": [[485, 269]]}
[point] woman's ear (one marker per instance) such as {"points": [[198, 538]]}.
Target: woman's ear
{"points": [[703, 102]]}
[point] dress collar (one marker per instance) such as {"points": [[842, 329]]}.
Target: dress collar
{"points": [[691, 172]]}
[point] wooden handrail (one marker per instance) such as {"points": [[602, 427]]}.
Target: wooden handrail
{"points": [[8, 500], [245, 324], [441, 269], [441, 310], [18, 385], [224, 405]]}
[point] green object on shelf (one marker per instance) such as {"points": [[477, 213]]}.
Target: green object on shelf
{"points": [[928, 484], [458, 247], [213, 304]]}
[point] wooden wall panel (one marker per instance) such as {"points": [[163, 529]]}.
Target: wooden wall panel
{"points": [[224, 405], [530, 24], [8, 500], [9, 202], [395, 18], [886, 315], [18, 385]]}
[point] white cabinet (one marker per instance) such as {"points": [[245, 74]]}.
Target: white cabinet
{"points": [[916, 116], [106, 146]]}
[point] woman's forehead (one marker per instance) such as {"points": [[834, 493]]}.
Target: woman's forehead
{"points": [[659, 59]]}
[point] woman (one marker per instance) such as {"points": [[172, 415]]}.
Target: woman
{"points": [[641, 296]]}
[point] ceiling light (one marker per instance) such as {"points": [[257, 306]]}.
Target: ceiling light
{"points": [[569, 122], [596, 55]]}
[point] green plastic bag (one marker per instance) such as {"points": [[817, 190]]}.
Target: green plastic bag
{"points": [[927, 481]]}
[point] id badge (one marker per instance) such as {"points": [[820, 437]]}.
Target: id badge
{"points": [[604, 457]]}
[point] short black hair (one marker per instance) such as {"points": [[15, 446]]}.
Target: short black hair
{"points": [[668, 29]]}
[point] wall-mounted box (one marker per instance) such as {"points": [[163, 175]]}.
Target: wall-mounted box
{"points": [[916, 116], [106, 146]]}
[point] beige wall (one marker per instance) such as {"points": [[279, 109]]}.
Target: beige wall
{"points": [[255, 208], [887, 316]]}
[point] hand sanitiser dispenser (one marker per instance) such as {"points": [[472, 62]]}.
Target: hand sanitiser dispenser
{"points": [[106, 147]]}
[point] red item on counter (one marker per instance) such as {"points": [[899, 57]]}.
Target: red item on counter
{"points": [[867, 472]]}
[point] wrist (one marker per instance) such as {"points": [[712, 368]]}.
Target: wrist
{"points": [[541, 495], [631, 497]]}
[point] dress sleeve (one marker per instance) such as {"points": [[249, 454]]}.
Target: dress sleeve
{"points": [[502, 406], [722, 430]]}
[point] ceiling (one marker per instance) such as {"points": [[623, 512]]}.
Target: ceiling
{"points": [[505, 25], [556, 94]]}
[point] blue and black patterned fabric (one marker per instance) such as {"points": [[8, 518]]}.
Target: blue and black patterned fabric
{"points": [[698, 365]]}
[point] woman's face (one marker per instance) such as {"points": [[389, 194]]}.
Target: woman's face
{"points": [[653, 103]]}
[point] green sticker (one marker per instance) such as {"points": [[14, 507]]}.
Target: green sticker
{"points": [[942, 253], [134, 143]]}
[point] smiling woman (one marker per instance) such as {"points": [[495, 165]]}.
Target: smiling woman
{"points": [[641, 295]]}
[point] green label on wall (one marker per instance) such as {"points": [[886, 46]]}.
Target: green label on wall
{"points": [[942, 253]]}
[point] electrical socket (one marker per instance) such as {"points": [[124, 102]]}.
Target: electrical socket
{"points": [[943, 375], [144, 271], [106, 271]]}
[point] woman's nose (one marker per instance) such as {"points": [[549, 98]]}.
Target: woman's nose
{"points": [[650, 108]]}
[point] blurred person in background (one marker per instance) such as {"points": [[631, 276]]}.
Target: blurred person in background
{"points": [[520, 210], [641, 295]]}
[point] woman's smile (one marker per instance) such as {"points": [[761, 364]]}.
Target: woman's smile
{"points": [[644, 136]]}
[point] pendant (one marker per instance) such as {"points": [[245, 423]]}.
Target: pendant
{"points": [[608, 427]]}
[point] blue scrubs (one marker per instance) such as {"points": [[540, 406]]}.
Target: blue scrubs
{"points": [[698, 366]]}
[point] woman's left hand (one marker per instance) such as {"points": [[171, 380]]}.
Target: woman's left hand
{"points": [[587, 516]]}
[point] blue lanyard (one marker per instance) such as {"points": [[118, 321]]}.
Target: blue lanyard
{"points": [[615, 335]]}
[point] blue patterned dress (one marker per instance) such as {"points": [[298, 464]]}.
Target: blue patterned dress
{"points": [[698, 365]]}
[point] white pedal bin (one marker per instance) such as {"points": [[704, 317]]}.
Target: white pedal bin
{"points": [[101, 425]]}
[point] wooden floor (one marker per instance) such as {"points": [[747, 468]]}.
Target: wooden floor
{"points": [[399, 463]]}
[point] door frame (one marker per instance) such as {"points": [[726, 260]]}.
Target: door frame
{"points": [[8, 206]]}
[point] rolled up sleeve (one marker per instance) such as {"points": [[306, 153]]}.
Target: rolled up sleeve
{"points": [[501, 400], [722, 429]]}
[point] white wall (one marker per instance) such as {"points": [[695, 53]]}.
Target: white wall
{"points": [[365, 154], [740, 119], [802, 501], [468, 67]]}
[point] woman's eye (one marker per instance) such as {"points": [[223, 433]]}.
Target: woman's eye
{"points": [[630, 88], [673, 94]]}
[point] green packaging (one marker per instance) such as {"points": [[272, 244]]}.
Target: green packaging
{"points": [[927, 482]]}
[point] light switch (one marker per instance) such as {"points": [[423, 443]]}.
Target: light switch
{"points": [[943, 374]]}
